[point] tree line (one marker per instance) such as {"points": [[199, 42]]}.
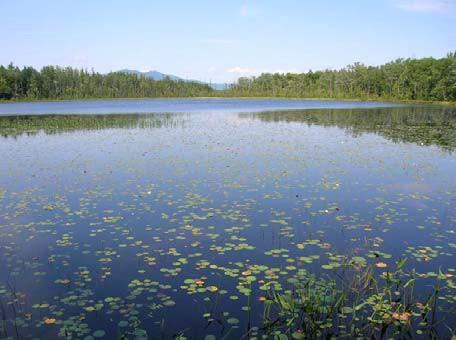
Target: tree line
{"points": [[427, 79], [53, 82]]}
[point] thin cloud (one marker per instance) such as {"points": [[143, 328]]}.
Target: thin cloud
{"points": [[240, 70], [80, 59], [425, 6], [244, 11], [217, 41]]}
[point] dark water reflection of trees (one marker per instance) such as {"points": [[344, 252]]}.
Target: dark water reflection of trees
{"points": [[14, 126], [423, 125]]}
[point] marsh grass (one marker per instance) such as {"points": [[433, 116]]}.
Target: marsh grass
{"points": [[359, 305]]}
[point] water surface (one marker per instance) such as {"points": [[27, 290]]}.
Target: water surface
{"points": [[174, 106], [173, 223]]}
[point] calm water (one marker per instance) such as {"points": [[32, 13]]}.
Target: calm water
{"points": [[178, 221], [184, 105]]}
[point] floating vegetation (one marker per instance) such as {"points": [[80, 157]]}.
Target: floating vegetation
{"points": [[428, 125], [274, 225]]}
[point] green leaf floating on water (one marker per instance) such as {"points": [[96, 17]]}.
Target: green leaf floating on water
{"points": [[232, 321], [99, 334]]}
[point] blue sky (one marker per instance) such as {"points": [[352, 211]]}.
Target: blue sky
{"points": [[220, 40]]}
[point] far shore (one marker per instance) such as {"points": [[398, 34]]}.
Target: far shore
{"points": [[384, 100]]}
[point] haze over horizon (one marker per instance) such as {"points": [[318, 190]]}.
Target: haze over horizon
{"points": [[221, 41]]}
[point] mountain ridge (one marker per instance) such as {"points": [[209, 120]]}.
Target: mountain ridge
{"points": [[153, 74], [157, 75]]}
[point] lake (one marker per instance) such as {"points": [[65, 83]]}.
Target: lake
{"points": [[181, 105], [220, 218]]}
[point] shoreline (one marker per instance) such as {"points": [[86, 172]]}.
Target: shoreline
{"points": [[392, 101]]}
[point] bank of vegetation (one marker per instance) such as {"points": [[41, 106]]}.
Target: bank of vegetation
{"points": [[425, 79], [54, 82]]}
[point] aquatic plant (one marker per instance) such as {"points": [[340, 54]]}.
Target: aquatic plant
{"points": [[359, 305]]}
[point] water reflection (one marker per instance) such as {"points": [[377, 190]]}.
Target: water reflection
{"points": [[423, 125], [14, 126]]}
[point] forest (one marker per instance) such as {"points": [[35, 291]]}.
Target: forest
{"points": [[53, 82], [425, 79]]}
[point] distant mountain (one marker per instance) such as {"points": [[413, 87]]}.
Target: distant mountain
{"points": [[151, 74], [160, 76]]}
